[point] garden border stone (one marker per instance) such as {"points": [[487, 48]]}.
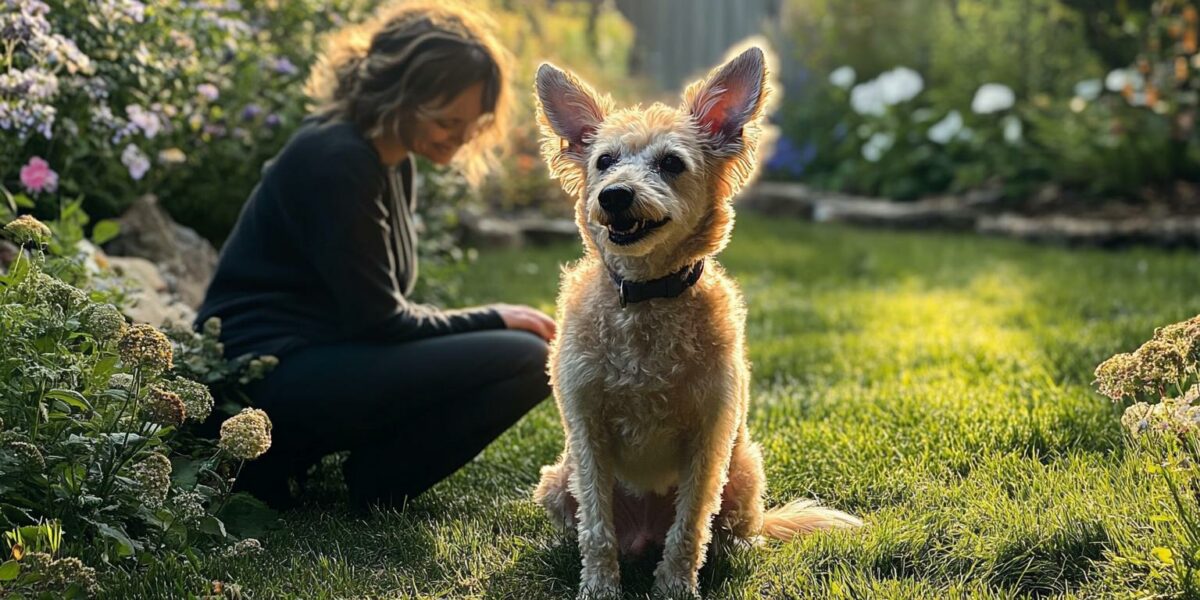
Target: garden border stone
{"points": [[976, 212]]}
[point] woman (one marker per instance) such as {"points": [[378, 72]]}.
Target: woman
{"points": [[319, 263]]}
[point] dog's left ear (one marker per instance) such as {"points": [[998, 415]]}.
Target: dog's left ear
{"points": [[570, 107], [728, 99]]}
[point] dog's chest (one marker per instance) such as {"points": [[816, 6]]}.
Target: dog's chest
{"points": [[649, 350]]}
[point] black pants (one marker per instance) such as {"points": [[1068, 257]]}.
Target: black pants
{"points": [[410, 413]]}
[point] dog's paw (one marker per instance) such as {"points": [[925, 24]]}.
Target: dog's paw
{"points": [[670, 584]]}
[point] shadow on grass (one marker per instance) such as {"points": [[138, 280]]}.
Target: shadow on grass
{"points": [[552, 571]]}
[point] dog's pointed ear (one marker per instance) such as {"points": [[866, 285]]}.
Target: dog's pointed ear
{"points": [[729, 98], [570, 107]]}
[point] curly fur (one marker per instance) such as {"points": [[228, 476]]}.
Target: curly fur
{"points": [[653, 397]]}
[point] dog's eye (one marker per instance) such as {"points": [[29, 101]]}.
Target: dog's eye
{"points": [[671, 164], [604, 162]]}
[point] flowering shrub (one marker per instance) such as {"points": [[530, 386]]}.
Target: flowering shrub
{"points": [[1162, 379], [969, 111], [184, 99], [92, 437], [889, 138]]}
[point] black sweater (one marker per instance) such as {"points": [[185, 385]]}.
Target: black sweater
{"points": [[325, 251]]}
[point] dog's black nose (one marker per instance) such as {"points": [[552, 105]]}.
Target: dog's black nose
{"points": [[616, 198]]}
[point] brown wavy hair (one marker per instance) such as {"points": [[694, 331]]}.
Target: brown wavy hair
{"points": [[408, 60]]}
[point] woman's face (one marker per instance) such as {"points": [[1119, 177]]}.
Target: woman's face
{"points": [[439, 135]]}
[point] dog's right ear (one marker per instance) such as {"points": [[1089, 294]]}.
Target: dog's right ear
{"points": [[570, 107]]}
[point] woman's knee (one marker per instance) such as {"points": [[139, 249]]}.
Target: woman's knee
{"points": [[529, 354], [526, 351]]}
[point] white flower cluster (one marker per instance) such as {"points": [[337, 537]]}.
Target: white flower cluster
{"points": [[889, 89]]}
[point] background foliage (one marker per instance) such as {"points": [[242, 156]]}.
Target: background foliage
{"points": [[1105, 96]]}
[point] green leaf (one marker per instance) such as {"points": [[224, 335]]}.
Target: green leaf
{"points": [[9, 570], [10, 207], [71, 397], [105, 230], [1164, 555], [125, 546], [184, 472], [213, 526], [246, 516], [23, 201]]}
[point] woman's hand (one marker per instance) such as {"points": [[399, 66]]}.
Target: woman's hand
{"points": [[527, 318]]}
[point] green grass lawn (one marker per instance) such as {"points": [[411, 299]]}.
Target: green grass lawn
{"points": [[936, 385]]}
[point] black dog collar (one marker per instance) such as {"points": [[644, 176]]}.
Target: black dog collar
{"points": [[664, 287]]}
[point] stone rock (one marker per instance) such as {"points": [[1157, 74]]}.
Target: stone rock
{"points": [[150, 301], [490, 232], [8, 253], [187, 261], [1090, 231], [797, 200], [95, 260], [543, 231]]}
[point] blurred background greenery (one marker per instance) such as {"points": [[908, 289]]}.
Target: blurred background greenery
{"points": [[1095, 96], [1093, 99]]}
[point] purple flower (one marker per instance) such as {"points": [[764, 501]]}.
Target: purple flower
{"points": [[283, 66], [251, 112], [790, 159], [145, 120], [273, 120], [209, 91], [136, 161]]}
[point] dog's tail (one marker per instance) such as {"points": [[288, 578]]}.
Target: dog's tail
{"points": [[804, 516]]}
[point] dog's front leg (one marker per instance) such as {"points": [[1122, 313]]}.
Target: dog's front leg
{"points": [[592, 484], [699, 498]]}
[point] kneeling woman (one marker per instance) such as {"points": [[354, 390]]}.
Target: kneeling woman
{"points": [[319, 263]]}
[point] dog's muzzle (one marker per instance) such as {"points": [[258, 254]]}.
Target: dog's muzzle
{"points": [[623, 227]]}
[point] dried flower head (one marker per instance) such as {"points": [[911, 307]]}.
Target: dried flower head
{"points": [[26, 229], [1172, 416], [259, 367], [103, 322], [1184, 336], [1160, 365], [246, 547], [1117, 376], [196, 398], [188, 507], [56, 292], [212, 327], [146, 347], [164, 407], [246, 435], [121, 381], [25, 455], [37, 562], [153, 476], [66, 572], [1136, 418]]}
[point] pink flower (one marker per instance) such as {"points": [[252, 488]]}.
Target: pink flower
{"points": [[38, 177]]}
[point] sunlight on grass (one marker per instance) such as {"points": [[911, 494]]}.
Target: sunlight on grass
{"points": [[936, 385]]}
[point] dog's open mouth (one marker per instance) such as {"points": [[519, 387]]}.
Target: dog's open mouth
{"points": [[625, 231]]}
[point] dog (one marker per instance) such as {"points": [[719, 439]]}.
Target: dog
{"points": [[649, 368]]}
